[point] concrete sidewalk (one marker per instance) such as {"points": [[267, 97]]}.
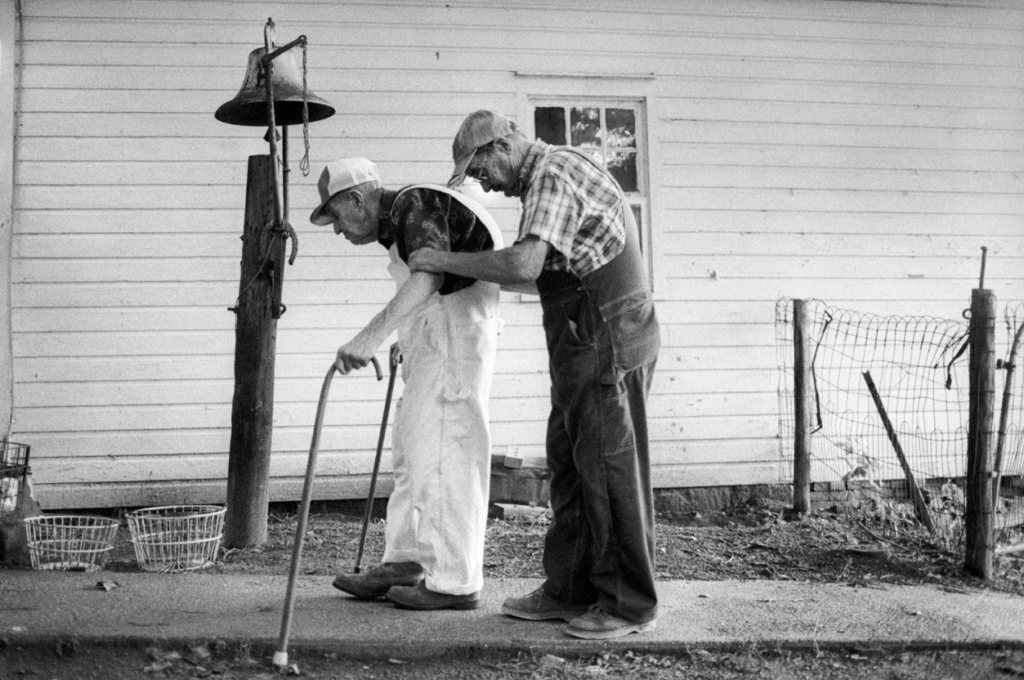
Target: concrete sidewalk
{"points": [[146, 608]]}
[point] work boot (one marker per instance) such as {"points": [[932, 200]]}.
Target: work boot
{"points": [[600, 625], [418, 597], [539, 606], [375, 583]]}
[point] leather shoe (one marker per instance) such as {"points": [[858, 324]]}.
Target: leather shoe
{"points": [[418, 597], [600, 625], [375, 583], [539, 606]]}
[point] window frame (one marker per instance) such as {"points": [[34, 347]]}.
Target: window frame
{"points": [[609, 91]]}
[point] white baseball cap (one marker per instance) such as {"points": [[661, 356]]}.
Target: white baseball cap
{"points": [[338, 176]]}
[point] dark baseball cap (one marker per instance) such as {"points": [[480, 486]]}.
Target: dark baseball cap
{"points": [[479, 129]]}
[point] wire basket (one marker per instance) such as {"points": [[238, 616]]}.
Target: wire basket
{"points": [[13, 474], [69, 542], [176, 538]]}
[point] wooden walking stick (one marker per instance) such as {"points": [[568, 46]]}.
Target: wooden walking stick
{"points": [[393, 361]]}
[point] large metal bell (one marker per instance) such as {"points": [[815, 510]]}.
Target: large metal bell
{"points": [[249, 107]]}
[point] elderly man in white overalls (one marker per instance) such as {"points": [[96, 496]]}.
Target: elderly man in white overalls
{"points": [[447, 332]]}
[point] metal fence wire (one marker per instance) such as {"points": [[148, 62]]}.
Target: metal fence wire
{"points": [[920, 366], [1010, 414]]}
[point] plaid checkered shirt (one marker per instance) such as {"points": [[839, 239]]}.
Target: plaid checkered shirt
{"points": [[573, 205]]}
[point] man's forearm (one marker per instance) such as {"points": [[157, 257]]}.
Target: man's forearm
{"points": [[518, 264], [495, 266], [413, 293], [357, 352]]}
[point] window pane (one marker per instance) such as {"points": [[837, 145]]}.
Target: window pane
{"points": [[638, 216], [549, 122], [621, 127], [586, 126], [622, 165]]}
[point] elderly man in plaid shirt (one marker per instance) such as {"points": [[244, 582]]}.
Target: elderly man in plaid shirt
{"points": [[579, 243]]}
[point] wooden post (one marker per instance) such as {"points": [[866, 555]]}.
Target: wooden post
{"points": [[801, 412], [252, 413], [1004, 412], [978, 517], [916, 496]]}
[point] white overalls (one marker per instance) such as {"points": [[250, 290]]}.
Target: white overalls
{"points": [[441, 446]]}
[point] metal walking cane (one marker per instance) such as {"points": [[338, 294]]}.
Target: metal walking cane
{"points": [[281, 655], [394, 360]]}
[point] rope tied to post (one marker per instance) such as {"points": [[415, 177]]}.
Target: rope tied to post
{"points": [[304, 163]]}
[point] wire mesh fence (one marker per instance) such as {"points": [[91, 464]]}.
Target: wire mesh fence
{"points": [[1009, 456], [920, 367]]}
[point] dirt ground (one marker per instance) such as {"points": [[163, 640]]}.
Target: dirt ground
{"points": [[757, 540], [110, 663]]}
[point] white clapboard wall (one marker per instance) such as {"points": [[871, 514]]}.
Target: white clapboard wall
{"points": [[859, 153]]}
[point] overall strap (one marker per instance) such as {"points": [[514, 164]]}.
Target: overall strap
{"points": [[622, 282]]}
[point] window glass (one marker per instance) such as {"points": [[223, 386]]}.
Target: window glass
{"points": [[622, 166], [638, 216], [621, 124], [606, 133], [549, 123], [585, 127]]}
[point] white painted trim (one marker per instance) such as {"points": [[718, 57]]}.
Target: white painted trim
{"points": [[10, 21], [603, 76]]}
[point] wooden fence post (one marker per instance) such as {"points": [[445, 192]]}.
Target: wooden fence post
{"points": [[252, 413], [978, 518], [802, 418]]}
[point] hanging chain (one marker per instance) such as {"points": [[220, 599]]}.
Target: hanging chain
{"points": [[304, 163]]}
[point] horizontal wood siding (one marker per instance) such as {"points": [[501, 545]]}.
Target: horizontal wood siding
{"points": [[855, 152]]}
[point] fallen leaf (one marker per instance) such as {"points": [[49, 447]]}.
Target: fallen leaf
{"points": [[197, 655], [157, 667], [866, 551], [761, 546]]}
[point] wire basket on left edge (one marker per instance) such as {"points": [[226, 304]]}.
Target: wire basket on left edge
{"points": [[176, 538], [69, 542]]}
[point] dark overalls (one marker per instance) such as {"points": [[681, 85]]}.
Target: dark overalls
{"points": [[603, 342]]}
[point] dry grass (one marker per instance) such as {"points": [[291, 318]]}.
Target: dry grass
{"points": [[760, 540], [753, 541]]}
